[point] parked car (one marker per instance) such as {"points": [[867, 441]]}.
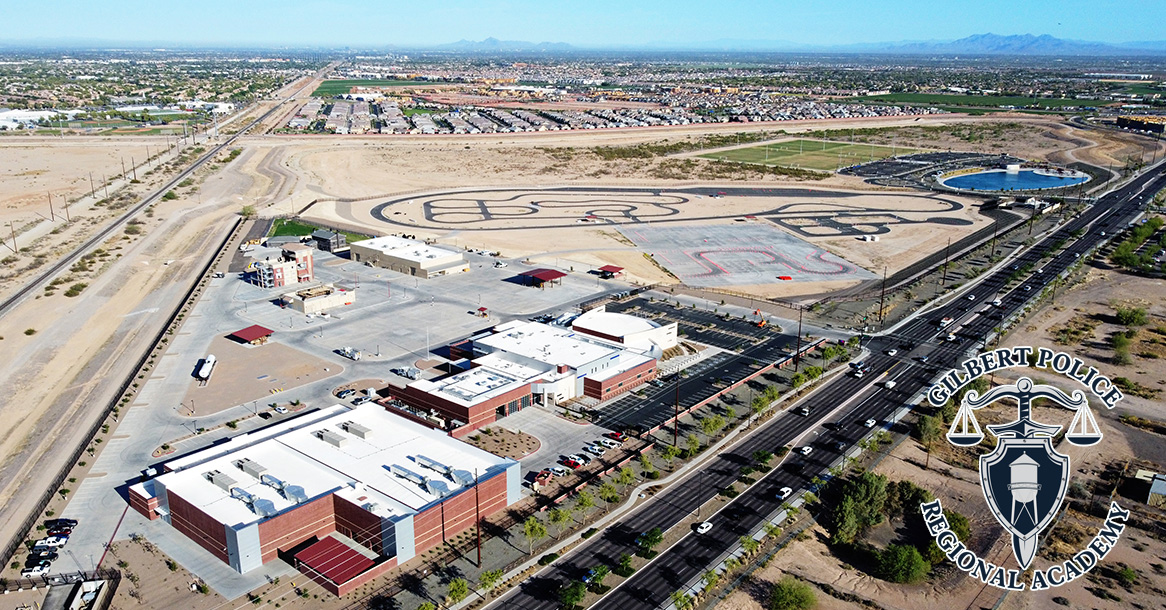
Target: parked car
{"points": [[582, 458], [704, 527], [360, 400], [499, 264], [55, 523], [345, 393], [33, 562], [784, 493], [596, 450], [618, 436], [34, 572], [572, 464], [45, 555], [558, 471], [59, 532], [281, 410], [610, 444], [52, 541]]}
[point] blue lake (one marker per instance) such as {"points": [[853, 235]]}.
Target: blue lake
{"points": [[1003, 181]]}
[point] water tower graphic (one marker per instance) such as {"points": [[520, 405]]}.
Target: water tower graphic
{"points": [[1024, 477], [1024, 486]]}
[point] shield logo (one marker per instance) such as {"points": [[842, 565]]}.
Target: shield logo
{"points": [[1024, 482]]}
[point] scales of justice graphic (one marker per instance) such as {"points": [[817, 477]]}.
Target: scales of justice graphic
{"points": [[1024, 477]]}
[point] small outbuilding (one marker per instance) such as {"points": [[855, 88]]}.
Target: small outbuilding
{"points": [[329, 241], [253, 335], [610, 271]]}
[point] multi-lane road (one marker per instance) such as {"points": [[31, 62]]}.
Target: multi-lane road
{"points": [[838, 412]]}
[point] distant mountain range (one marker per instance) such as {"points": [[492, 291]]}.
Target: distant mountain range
{"points": [[979, 44]]}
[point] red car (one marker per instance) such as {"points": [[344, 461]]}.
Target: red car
{"points": [[572, 464], [619, 436]]}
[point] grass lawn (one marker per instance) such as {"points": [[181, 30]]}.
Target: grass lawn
{"points": [[810, 154], [330, 88], [977, 100], [284, 226]]}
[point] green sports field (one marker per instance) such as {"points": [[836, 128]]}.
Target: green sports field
{"points": [[810, 154], [330, 88]]}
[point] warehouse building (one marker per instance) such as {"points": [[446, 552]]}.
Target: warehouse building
{"points": [[519, 363], [294, 265], [408, 256], [344, 493]]}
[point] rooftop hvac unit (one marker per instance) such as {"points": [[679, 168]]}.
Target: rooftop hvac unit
{"points": [[371, 507], [260, 506], [437, 488], [251, 467], [331, 438], [405, 473], [293, 493], [356, 430], [220, 480]]}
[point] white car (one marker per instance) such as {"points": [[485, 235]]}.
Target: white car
{"points": [[704, 527], [971, 297], [595, 450], [870, 423], [807, 450], [499, 264], [558, 471], [892, 352], [888, 384], [784, 493], [582, 459], [609, 443], [997, 303], [34, 571], [858, 374], [281, 410], [52, 541], [951, 337]]}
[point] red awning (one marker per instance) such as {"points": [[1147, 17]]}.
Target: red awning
{"points": [[611, 269], [252, 333], [544, 275], [482, 309], [335, 561]]}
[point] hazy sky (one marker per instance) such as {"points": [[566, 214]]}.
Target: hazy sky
{"points": [[579, 22]]}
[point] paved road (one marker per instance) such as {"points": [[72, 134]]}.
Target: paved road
{"points": [[842, 404]]}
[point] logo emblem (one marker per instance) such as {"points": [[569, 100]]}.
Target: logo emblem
{"points": [[1024, 479]]}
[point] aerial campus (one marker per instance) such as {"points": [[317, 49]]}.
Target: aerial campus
{"points": [[355, 317]]}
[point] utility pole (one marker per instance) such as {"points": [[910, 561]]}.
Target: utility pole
{"points": [[477, 512], [123, 169], [995, 231], [882, 295], [105, 183], [13, 227], [92, 188], [52, 215], [946, 258], [798, 353], [676, 415], [134, 167]]}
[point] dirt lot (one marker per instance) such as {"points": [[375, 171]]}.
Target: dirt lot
{"points": [[245, 373], [29, 172]]}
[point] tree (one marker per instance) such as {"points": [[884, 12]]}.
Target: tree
{"points": [[845, 523], [559, 517], [681, 600], [902, 563], [730, 413], [930, 428], [458, 590], [626, 476], [489, 580], [711, 579], [1132, 316], [572, 593], [646, 463], [534, 530], [749, 545], [650, 540], [758, 405], [248, 212], [798, 380], [670, 453], [771, 530], [584, 502], [790, 594], [598, 574], [625, 568], [762, 457], [711, 425], [427, 606], [693, 443], [870, 497], [608, 493]]}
